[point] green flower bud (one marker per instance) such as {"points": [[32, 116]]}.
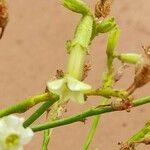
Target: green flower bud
{"points": [[106, 25], [112, 40], [130, 58], [77, 6]]}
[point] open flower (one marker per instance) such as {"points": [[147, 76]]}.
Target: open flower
{"points": [[69, 88], [12, 133]]}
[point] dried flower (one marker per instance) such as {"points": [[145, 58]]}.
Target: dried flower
{"points": [[119, 73], [119, 104], [126, 146], [86, 69], [3, 16], [103, 8], [142, 72]]}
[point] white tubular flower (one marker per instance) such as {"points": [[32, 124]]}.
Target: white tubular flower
{"points": [[12, 133], [69, 88]]}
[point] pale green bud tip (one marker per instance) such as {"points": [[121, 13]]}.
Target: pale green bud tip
{"points": [[113, 39], [77, 6], [130, 58], [106, 25]]}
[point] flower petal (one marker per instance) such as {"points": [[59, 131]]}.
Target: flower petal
{"points": [[56, 84], [11, 128], [76, 85], [13, 121], [77, 97], [26, 135]]}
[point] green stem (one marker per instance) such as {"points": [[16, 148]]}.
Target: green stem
{"points": [[28, 103], [140, 135], [107, 92], [91, 132], [37, 113], [85, 114], [47, 135], [51, 116], [95, 122]]}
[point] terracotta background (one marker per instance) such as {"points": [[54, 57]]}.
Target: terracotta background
{"points": [[33, 48]]}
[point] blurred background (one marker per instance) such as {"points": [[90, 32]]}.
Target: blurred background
{"points": [[32, 49]]}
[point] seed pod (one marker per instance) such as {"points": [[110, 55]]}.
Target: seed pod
{"points": [[3, 16], [142, 72], [126, 146], [103, 8]]}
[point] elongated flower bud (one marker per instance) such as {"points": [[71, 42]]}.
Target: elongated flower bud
{"points": [[77, 6], [3, 16], [130, 58], [106, 25], [112, 40]]}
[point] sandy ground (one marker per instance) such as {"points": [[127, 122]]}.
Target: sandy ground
{"points": [[33, 48]]}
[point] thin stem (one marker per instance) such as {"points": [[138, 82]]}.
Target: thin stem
{"points": [[91, 132], [51, 116], [38, 113], [47, 135], [28, 103], [107, 92], [140, 134], [85, 114], [95, 122]]}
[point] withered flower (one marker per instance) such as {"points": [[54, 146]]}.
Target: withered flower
{"points": [[126, 146], [3, 16], [142, 72], [86, 69], [103, 8]]}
